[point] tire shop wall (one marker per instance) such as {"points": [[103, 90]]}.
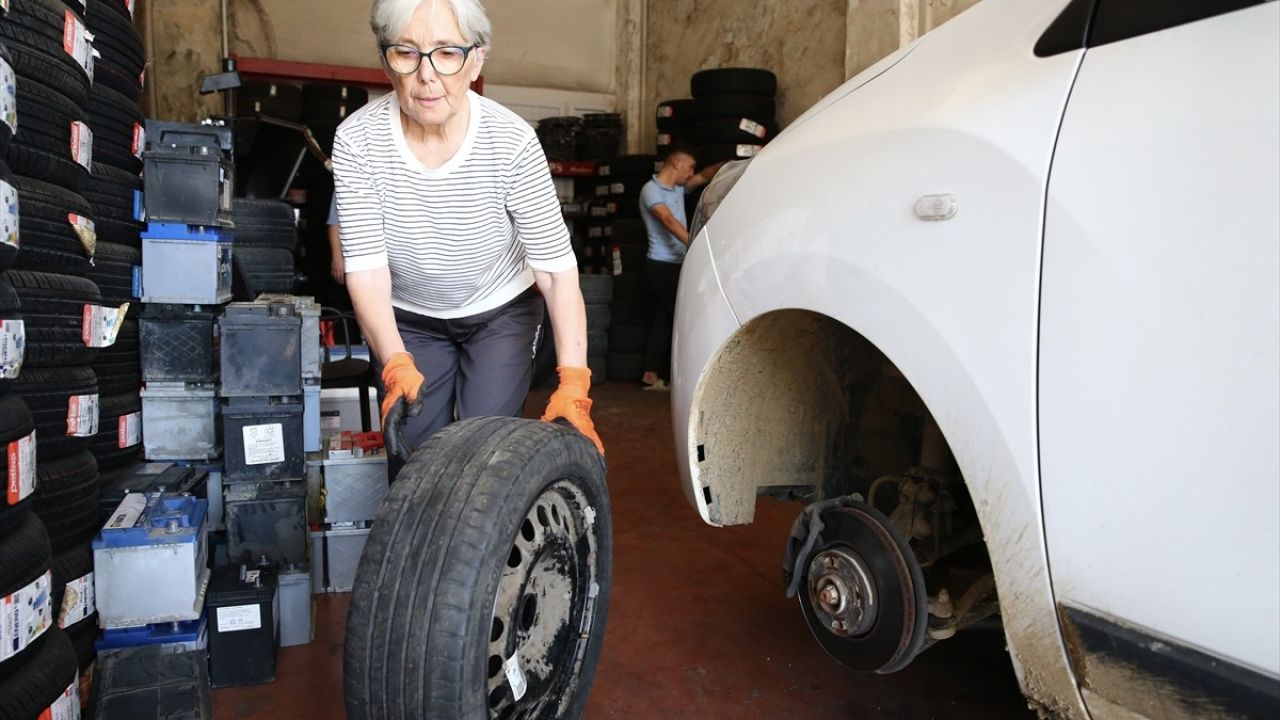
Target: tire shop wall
{"points": [[812, 45]]}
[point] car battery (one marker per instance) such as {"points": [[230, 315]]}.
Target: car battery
{"points": [[335, 553], [354, 487], [340, 411], [179, 343], [186, 264], [173, 636], [261, 350], [311, 437], [190, 171], [264, 439], [244, 626], [315, 488], [151, 561], [147, 478], [266, 520], [309, 312], [180, 421], [155, 682], [295, 605]]}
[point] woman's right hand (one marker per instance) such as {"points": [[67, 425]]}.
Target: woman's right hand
{"points": [[402, 380]]}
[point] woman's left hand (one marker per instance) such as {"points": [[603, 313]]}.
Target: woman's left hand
{"points": [[570, 401]]}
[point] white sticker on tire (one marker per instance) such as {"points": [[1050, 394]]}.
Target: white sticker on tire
{"points": [[24, 616], [128, 5], [747, 151], [13, 347], [67, 706], [602, 190], [21, 480], [617, 188], [84, 229], [78, 601], [100, 325], [81, 144], [617, 260], [753, 128], [263, 444], [8, 214], [666, 111], [515, 677], [76, 42], [664, 139], [129, 430], [139, 140], [8, 96], [82, 415]]}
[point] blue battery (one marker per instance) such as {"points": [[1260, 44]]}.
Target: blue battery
{"points": [[188, 635]]}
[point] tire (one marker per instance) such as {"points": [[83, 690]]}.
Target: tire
{"points": [[118, 6], [37, 684], [113, 272], [6, 130], [122, 61], [47, 392], [730, 132], [33, 32], [712, 154], [15, 424], [597, 345], [111, 194], [673, 114], [598, 318], [50, 243], [596, 289], [599, 366], [67, 499], [106, 444], [734, 107], [628, 166], [69, 565], [331, 102], [117, 129], [629, 231], [118, 368], [273, 99], [630, 339], [53, 311], [11, 310], [632, 255], [42, 148], [638, 314], [83, 634], [457, 527], [626, 367], [9, 235], [733, 81], [24, 557], [257, 270], [264, 223], [628, 289]]}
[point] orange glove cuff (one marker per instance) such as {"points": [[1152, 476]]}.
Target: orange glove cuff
{"points": [[576, 380]]}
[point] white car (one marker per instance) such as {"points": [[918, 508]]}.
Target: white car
{"points": [[1005, 310]]}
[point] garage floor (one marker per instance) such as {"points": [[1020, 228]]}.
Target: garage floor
{"points": [[698, 624]]}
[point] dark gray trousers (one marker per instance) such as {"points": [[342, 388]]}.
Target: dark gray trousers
{"points": [[475, 366]]}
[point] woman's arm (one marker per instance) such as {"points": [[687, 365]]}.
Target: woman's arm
{"points": [[370, 292], [568, 313]]}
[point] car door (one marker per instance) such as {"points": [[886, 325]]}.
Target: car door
{"points": [[1159, 360]]}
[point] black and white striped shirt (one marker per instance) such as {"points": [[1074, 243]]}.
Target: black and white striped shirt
{"points": [[463, 238]]}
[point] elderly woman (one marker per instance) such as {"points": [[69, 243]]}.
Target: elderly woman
{"points": [[448, 220]]}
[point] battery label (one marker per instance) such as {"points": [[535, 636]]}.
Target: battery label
{"points": [[81, 144], [8, 214], [82, 415], [8, 96], [129, 430], [263, 444], [24, 616], [13, 347], [238, 618], [78, 601], [101, 325], [86, 231], [21, 480]]}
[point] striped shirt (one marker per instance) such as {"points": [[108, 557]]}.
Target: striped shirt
{"points": [[460, 239]]}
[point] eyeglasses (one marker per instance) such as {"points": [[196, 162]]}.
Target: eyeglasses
{"points": [[446, 60]]}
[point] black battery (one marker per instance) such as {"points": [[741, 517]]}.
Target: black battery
{"points": [[152, 682], [244, 626]]}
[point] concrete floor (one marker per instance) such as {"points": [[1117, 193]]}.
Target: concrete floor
{"points": [[698, 624]]}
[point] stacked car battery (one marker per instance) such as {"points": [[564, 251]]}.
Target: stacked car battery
{"points": [[348, 481]]}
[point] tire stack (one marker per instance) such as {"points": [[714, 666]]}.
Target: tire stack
{"points": [[262, 261], [597, 293], [600, 137], [735, 111], [675, 122], [559, 137], [627, 244]]}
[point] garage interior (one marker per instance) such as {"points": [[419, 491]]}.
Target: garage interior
{"points": [[169, 296]]}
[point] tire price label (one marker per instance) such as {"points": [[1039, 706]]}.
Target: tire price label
{"points": [[747, 151], [82, 415], [24, 616], [664, 139], [602, 190], [595, 232], [751, 127], [617, 188], [8, 214], [67, 706], [101, 325], [128, 5], [617, 260], [13, 347], [81, 144], [21, 480], [139, 140], [666, 111], [76, 41], [129, 430], [84, 229], [8, 96], [78, 601], [263, 444]]}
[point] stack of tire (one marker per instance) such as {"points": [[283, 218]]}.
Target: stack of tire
{"points": [[262, 257], [597, 293], [600, 136], [675, 120], [60, 279], [735, 111], [624, 258]]}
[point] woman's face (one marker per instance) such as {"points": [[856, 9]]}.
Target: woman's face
{"points": [[426, 97]]}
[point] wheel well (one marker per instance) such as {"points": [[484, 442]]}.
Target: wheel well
{"points": [[799, 404]]}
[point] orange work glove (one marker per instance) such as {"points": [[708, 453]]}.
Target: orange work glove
{"points": [[570, 402], [402, 380]]}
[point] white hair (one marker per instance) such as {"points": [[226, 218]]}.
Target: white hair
{"points": [[388, 19]]}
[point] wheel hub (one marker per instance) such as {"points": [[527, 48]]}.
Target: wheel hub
{"points": [[842, 592]]}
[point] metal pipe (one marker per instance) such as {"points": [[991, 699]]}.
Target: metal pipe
{"points": [[226, 42], [153, 82]]}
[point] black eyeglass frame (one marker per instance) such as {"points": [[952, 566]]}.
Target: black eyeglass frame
{"points": [[466, 53]]}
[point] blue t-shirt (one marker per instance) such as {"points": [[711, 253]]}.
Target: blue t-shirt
{"points": [[333, 210], [663, 246]]}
